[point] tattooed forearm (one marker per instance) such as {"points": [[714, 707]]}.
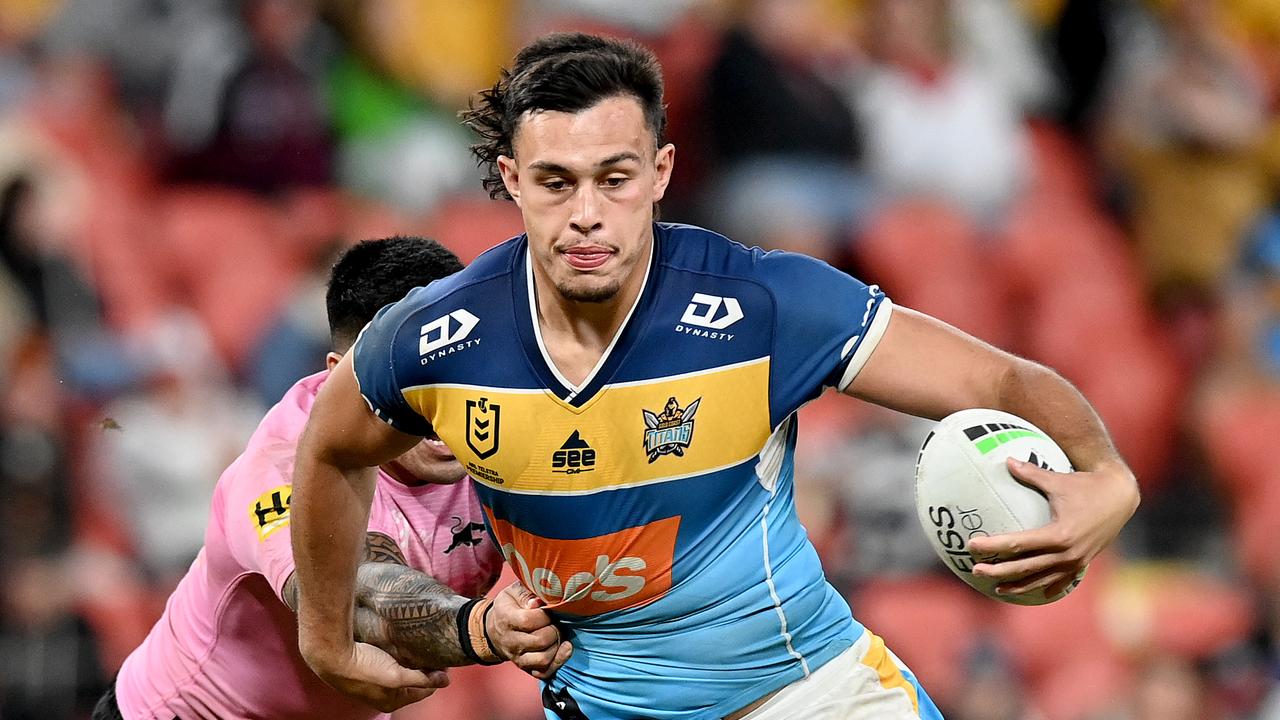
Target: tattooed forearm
{"points": [[401, 610], [290, 593], [377, 548], [414, 617]]}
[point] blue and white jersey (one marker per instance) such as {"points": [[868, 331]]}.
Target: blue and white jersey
{"points": [[651, 507]]}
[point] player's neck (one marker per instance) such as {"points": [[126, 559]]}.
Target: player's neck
{"points": [[576, 334], [401, 475]]}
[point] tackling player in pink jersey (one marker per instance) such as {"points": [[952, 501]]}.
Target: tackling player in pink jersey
{"points": [[227, 645]]}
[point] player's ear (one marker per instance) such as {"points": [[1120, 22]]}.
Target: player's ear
{"points": [[331, 360], [663, 163], [510, 176]]}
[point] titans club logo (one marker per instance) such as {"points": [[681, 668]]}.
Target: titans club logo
{"points": [[670, 431], [484, 421]]}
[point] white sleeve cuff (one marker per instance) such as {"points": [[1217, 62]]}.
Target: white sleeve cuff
{"points": [[863, 345]]}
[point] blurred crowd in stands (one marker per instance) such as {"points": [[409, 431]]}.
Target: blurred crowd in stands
{"points": [[1090, 183]]}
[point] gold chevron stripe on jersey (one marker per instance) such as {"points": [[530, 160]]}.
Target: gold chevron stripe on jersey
{"points": [[667, 428]]}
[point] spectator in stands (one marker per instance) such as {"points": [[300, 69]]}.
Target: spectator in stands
{"points": [[48, 659], [39, 213], [247, 108], [137, 39], [49, 662], [996, 37], [936, 125], [188, 407], [992, 690], [300, 334], [1186, 126], [443, 50], [1084, 46], [784, 139]]}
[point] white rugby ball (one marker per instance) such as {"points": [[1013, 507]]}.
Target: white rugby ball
{"points": [[964, 489]]}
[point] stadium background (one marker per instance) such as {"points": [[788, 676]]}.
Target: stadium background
{"points": [[1091, 183]]}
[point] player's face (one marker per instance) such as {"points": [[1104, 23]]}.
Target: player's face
{"points": [[428, 462], [586, 183]]}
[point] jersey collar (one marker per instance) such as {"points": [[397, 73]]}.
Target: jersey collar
{"points": [[531, 333]]}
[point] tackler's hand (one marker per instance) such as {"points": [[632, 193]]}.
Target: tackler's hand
{"points": [[521, 631], [374, 677]]}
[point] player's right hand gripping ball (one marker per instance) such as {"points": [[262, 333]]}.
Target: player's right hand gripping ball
{"points": [[964, 489]]}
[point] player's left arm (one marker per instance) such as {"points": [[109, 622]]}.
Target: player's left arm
{"points": [[414, 617], [925, 367]]}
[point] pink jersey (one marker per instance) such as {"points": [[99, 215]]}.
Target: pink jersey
{"points": [[227, 646]]}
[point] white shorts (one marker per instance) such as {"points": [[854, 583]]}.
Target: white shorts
{"points": [[865, 682]]}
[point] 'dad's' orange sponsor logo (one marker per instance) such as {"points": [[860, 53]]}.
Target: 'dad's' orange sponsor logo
{"points": [[595, 575]]}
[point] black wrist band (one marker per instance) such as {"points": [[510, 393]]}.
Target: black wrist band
{"points": [[484, 625], [464, 635]]}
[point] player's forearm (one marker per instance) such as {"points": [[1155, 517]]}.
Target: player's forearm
{"points": [[1053, 404], [330, 513], [417, 615], [405, 612]]}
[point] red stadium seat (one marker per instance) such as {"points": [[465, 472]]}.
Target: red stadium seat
{"points": [[78, 128], [1195, 615], [128, 260], [121, 611], [1064, 645], [1082, 312], [1082, 688], [932, 259], [230, 259], [469, 226], [365, 219], [1061, 171], [1239, 427]]}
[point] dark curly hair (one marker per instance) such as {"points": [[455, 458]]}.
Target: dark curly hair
{"points": [[565, 72], [374, 273]]}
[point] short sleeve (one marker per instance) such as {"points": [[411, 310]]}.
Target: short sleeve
{"points": [[827, 325], [275, 559], [255, 516], [381, 344]]}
